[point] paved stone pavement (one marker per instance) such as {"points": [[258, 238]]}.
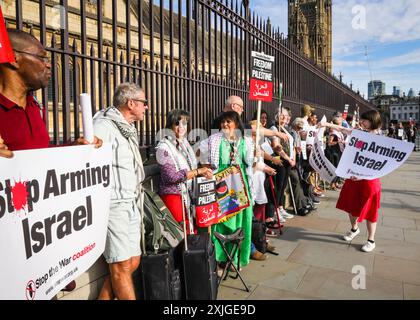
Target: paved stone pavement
{"points": [[314, 263]]}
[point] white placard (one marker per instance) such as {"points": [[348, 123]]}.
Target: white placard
{"points": [[303, 147], [310, 135], [86, 108], [320, 163], [400, 132], [370, 156], [267, 148], [54, 217]]}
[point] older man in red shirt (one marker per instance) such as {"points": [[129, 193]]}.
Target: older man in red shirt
{"points": [[21, 117]]}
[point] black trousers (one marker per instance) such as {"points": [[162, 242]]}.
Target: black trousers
{"points": [[300, 199], [280, 182]]}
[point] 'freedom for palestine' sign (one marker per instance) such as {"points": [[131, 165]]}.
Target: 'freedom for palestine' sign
{"points": [[261, 84]]}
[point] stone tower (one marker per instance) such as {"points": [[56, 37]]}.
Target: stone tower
{"points": [[310, 29]]}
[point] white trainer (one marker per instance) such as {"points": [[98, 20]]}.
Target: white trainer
{"points": [[350, 235], [368, 246], [286, 215]]}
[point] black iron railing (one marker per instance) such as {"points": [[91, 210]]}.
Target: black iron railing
{"points": [[189, 54]]}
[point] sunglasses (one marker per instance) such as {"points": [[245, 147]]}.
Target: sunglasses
{"points": [[141, 100]]}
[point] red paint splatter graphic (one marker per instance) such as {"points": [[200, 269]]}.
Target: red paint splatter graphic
{"points": [[19, 195], [359, 144]]}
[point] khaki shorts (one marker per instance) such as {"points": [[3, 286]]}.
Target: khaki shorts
{"points": [[123, 236]]}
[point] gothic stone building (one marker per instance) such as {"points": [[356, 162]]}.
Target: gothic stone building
{"points": [[310, 29]]}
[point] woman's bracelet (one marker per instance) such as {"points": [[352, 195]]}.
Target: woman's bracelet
{"points": [[197, 172]]}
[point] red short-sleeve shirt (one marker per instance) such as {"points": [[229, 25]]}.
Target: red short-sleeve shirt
{"points": [[20, 128]]}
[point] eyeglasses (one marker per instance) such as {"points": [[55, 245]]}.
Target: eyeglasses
{"points": [[184, 123], [141, 100], [44, 59], [239, 105]]}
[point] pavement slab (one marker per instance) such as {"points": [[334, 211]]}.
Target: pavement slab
{"points": [[411, 291], [315, 263], [412, 236], [397, 269], [333, 284], [331, 258]]}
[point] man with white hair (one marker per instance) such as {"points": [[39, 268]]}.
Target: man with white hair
{"points": [[122, 250]]}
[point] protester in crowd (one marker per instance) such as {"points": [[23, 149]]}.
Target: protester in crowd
{"points": [[411, 133], [302, 201], [115, 125], [305, 113], [310, 175], [335, 147], [350, 121], [391, 131], [261, 171], [400, 132], [178, 166], [235, 103], [286, 151], [227, 148], [22, 117], [260, 175], [361, 198]]}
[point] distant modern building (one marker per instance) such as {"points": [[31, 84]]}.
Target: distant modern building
{"points": [[396, 91], [375, 88], [410, 93], [405, 109]]}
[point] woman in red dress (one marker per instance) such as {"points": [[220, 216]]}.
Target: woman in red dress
{"points": [[361, 198]]}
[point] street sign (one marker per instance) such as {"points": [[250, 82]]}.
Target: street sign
{"points": [[261, 83]]}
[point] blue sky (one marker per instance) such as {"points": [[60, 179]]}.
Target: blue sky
{"points": [[389, 29]]}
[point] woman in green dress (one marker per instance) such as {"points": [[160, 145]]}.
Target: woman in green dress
{"points": [[226, 148]]}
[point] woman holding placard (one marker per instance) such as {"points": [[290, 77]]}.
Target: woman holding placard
{"points": [[230, 148], [361, 198], [178, 165]]}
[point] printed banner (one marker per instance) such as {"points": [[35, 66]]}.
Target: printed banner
{"points": [[310, 135], [320, 163], [206, 205], [231, 192], [370, 156], [261, 82], [54, 207]]}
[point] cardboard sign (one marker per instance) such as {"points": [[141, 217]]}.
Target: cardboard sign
{"points": [[261, 83], [346, 110], [310, 135], [320, 163], [370, 156]]}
